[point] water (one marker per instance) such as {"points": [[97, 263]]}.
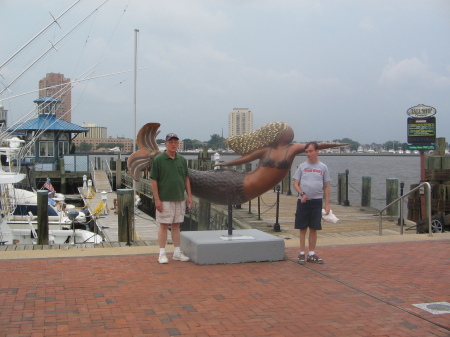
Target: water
{"points": [[404, 168]]}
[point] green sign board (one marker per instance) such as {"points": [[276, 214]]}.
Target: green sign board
{"points": [[421, 130], [422, 147]]}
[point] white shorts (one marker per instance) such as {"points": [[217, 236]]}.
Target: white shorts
{"points": [[173, 212]]}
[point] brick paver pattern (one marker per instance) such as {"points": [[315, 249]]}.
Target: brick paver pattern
{"points": [[361, 290]]}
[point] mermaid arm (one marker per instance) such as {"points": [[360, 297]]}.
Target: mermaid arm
{"points": [[323, 146], [247, 158]]}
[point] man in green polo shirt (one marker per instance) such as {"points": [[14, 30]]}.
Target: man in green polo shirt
{"points": [[170, 179]]}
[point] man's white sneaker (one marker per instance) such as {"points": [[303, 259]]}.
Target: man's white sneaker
{"points": [[163, 258], [180, 257]]}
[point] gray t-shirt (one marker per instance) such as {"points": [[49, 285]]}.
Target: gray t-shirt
{"points": [[312, 178]]}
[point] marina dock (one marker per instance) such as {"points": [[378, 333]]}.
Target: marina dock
{"points": [[355, 223]]}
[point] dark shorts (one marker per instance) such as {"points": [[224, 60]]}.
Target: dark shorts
{"points": [[309, 214]]}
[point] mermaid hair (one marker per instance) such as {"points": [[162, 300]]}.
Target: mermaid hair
{"points": [[264, 136]]}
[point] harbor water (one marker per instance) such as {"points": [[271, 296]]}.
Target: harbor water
{"points": [[404, 168]]}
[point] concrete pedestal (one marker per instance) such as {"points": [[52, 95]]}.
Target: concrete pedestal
{"points": [[216, 247]]}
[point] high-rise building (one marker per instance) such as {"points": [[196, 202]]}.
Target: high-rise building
{"points": [[58, 87], [240, 122], [95, 131]]}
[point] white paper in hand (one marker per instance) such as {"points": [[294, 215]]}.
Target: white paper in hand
{"points": [[330, 217]]}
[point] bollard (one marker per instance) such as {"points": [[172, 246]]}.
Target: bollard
{"points": [[346, 202], [276, 226]]}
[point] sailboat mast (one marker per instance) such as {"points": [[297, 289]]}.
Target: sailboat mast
{"points": [[43, 30]]}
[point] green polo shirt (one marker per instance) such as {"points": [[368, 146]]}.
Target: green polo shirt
{"points": [[171, 176]]}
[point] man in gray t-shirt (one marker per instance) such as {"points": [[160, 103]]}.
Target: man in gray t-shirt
{"points": [[312, 182]]}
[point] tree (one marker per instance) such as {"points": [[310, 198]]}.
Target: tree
{"points": [[392, 145], [110, 145], [352, 143], [216, 142], [192, 144], [84, 147]]}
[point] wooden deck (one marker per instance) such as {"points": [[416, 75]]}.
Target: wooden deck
{"points": [[145, 227]]}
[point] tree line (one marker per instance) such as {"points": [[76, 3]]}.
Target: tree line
{"points": [[217, 142]]}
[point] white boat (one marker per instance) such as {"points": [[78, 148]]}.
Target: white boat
{"points": [[11, 198], [26, 202]]}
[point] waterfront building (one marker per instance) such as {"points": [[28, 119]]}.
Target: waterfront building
{"points": [[126, 142], [57, 86], [98, 135], [47, 138], [240, 122]]}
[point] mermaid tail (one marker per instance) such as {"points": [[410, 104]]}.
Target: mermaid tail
{"points": [[223, 187], [148, 149]]}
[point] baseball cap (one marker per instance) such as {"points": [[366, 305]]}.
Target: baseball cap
{"points": [[170, 136]]}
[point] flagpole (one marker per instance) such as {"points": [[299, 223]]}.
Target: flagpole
{"points": [[136, 33]]}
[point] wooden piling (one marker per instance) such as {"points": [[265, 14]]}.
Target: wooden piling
{"points": [[125, 199], [62, 171], [391, 195], [366, 191], [118, 174], [42, 217]]}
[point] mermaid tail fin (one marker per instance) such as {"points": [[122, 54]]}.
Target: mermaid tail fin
{"points": [[148, 149]]}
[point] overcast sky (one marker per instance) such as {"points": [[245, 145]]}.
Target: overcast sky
{"points": [[331, 69]]}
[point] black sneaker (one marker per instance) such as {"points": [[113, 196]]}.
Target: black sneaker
{"points": [[314, 259], [301, 259]]}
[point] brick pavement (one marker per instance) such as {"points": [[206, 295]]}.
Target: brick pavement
{"points": [[361, 290]]}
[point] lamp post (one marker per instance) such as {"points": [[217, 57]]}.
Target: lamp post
{"points": [[346, 202], [289, 192], [402, 185], [276, 226]]}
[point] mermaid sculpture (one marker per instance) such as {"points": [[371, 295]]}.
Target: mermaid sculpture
{"points": [[271, 144]]}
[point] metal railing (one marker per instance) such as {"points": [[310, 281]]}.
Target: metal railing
{"points": [[427, 193], [108, 171]]}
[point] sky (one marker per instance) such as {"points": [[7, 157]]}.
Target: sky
{"points": [[331, 69]]}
